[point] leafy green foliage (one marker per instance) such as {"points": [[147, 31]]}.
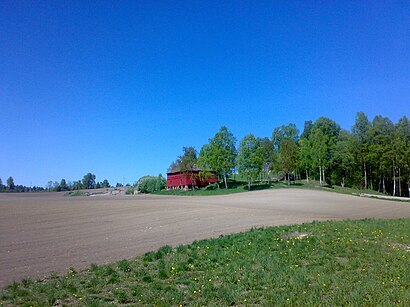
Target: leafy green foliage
{"points": [[151, 184], [250, 159], [10, 183], [284, 132], [288, 155], [342, 160], [185, 163], [219, 154], [89, 181], [105, 184]]}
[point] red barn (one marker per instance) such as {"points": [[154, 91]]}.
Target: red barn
{"points": [[183, 180]]}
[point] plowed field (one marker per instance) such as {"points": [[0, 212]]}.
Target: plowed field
{"points": [[41, 233]]}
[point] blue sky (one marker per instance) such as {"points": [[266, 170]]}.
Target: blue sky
{"points": [[118, 88]]}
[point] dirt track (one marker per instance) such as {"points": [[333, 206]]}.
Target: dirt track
{"points": [[42, 233]]}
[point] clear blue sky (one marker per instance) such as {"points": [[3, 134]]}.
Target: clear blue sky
{"points": [[118, 88]]}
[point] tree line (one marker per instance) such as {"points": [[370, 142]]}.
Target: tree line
{"points": [[88, 182], [372, 155], [10, 186]]}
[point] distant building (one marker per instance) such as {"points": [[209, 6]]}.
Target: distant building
{"points": [[189, 180]]}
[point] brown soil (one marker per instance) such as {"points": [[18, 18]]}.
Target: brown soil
{"points": [[41, 233]]}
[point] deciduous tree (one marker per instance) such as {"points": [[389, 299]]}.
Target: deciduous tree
{"points": [[250, 161], [284, 132], [268, 156], [89, 181], [10, 183], [343, 159], [323, 138], [305, 157], [401, 148], [219, 154], [288, 156], [360, 131]]}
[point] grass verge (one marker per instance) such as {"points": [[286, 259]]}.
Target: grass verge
{"points": [[233, 187], [240, 186], [360, 263]]}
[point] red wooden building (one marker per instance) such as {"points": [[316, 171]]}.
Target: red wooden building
{"points": [[184, 180]]}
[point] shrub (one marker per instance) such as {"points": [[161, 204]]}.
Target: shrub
{"points": [[149, 184], [212, 186], [129, 191]]}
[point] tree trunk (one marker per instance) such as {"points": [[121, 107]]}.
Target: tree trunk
{"points": [[370, 177], [365, 175], [226, 183], [384, 186], [320, 175], [399, 183], [323, 176], [343, 182], [307, 177], [408, 187], [249, 183], [394, 180]]}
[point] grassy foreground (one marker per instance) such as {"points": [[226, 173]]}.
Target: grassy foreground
{"points": [[361, 263]]}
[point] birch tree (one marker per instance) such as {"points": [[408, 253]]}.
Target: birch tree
{"points": [[220, 153], [360, 131], [288, 156], [323, 138], [250, 160]]}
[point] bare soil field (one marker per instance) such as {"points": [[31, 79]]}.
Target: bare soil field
{"points": [[42, 233]]}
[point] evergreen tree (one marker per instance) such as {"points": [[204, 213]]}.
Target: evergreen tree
{"points": [[63, 185], [105, 184]]}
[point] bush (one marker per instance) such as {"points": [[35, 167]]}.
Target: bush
{"points": [[150, 184], [212, 186], [129, 191]]}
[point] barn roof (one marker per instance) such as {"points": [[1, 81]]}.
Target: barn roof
{"points": [[195, 169]]}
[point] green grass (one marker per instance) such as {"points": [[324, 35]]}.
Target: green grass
{"points": [[241, 186], [335, 188], [75, 193], [346, 263], [233, 187], [84, 193]]}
